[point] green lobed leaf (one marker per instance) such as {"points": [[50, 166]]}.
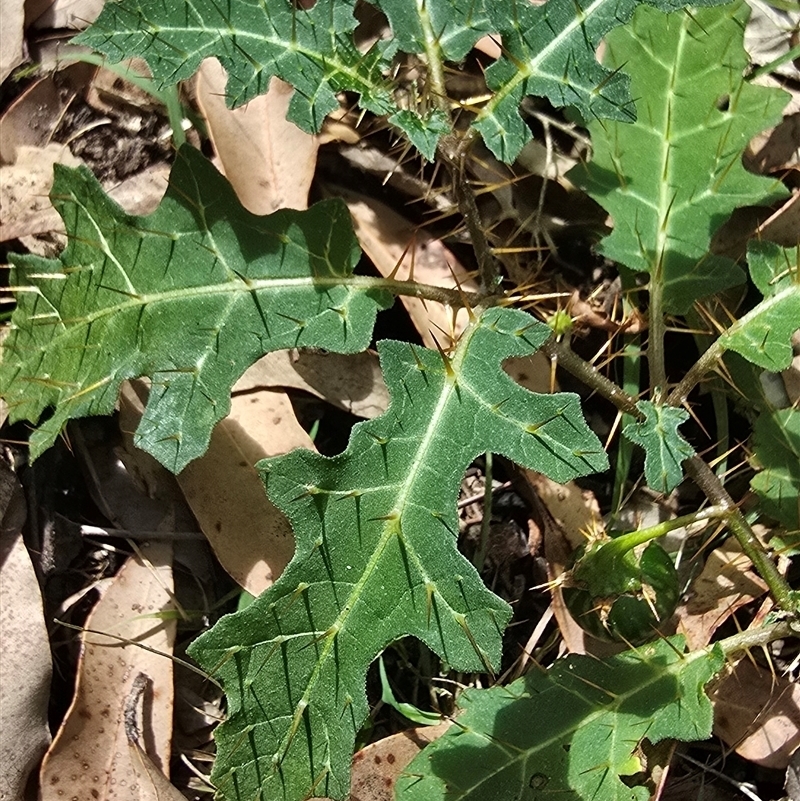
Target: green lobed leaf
{"points": [[442, 30], [189, 296], [776, 450], [764, 335], [312, 49], [549, 51], [670, 179], [376, 558], [569, 733], [664, 446]]}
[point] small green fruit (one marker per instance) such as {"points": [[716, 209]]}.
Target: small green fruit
{"points": [[621, 593]]}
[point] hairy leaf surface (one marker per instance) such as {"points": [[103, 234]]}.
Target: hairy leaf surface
{"points": [[764, 335], [776, 450], [664, 446], [569, 733], [376, 558], [549, 51], [670, 179], [189, 296], [441, 30], [312, 49]]}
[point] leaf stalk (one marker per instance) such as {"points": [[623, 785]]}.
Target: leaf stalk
{"points": [[696, 468]]}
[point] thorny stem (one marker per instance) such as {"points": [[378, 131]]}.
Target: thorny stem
{"points": [[709, 483], [655, 342], [763, 635], [591, 376], [450, 297], [699, 471], [453, 153], [433, 58]]}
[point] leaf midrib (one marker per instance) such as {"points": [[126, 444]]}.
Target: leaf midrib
{"points": [[532, 65], [250, 287], [323, 61], [389, 531], [619, 698], [739, 328]]}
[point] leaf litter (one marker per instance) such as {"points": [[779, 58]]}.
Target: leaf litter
{"points": [[228, 481]]}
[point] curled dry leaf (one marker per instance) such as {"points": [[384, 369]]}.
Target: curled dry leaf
{"points": [[90, 757], [726, 583], [353, 382], [153, 785], [398, 248], [12, 36], [25, 666], [758, 714], [376, 767], [251, 538], [270, 162]]}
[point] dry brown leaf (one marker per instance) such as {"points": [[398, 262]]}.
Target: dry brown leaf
{"points": [[90, 758], [25, 207], [398, 248], [563, 512], [490, 45], [532, 372], [783, 226], [758, 714], [377, 767], [32, 117], [109, 93], [25, 666], [153, 785], [74, 14], [574, 509], [251, 538], [353, 382], [269, 161], [725, 584], [12, 36], [769, 34], [24, 186], [778, 148]]}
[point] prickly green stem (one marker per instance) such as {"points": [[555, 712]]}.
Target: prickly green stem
{"points": [[697, 469], [709, 483], [627, 542]]}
